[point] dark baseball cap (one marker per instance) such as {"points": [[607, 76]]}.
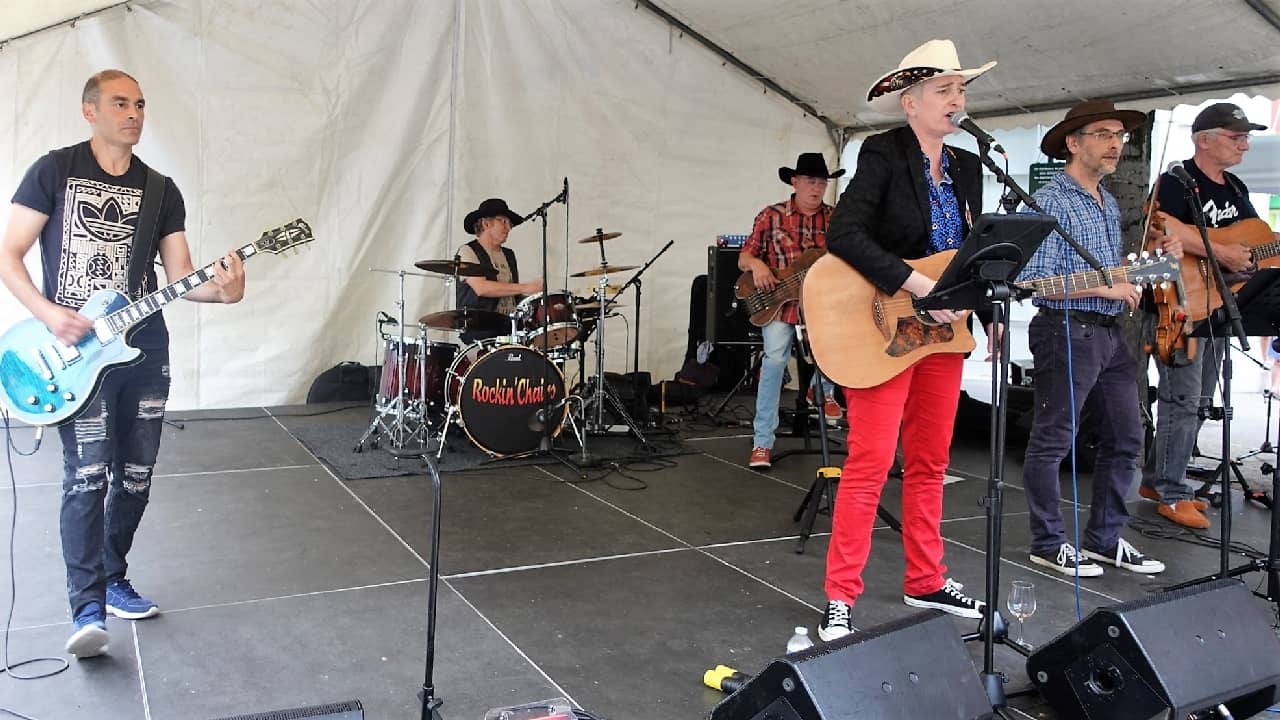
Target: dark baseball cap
{"points": [[1227, 116]]}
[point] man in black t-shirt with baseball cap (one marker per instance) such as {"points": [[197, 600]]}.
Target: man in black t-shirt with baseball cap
{"points": [[1221, 134]]}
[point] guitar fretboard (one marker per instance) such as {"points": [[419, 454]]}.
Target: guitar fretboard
{"points": [[1266, 251], [1075, 282], [126, 317]]}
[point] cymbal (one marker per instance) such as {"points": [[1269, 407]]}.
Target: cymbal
{"points": [[604, 270], [596, 306], [599, 237], [466, 319], [456, 267], [591, 291]]}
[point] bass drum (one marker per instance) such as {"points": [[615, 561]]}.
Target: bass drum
{"points": [[499, 391]]}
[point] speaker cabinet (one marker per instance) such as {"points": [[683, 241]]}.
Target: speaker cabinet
{"points": [[1167, 656], [349, 710], [727, 322], [915, 668]]}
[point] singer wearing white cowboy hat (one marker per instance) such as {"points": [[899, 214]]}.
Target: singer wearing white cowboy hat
{"points": [[911, 196]]}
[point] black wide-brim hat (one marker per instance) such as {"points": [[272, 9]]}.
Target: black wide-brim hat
{"points": [[493, 207], [1054, 143], [810, 165]]}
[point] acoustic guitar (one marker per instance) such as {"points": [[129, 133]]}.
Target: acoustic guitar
{"points": [[862, 337]]}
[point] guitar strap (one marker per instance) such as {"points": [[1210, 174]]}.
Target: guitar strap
{"points": [[145, 243]]}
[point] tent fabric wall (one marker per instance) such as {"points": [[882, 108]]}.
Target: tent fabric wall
{"points": [[383, 124]]}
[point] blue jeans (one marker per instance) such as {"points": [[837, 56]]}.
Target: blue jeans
{"points": [[777, 337], [1184, 389], [108, 454], [1105, 374]]}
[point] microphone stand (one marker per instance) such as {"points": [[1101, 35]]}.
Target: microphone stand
{"points": [[1013, 188], [1232, 311], [635, 282], [545, 413]]}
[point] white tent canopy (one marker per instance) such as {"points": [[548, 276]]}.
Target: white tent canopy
{"points": [[383, 123]]}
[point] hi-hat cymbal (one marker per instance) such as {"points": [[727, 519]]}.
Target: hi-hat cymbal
{"points": [[604, 270], [591, 291], [456, 267], [595, 305], [466, 319], [599, 237]]}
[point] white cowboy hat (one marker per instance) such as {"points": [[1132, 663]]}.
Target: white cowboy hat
{"points": [[936, 58]]}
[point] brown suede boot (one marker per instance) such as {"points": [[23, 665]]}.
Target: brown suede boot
{"points": [[1184, 513], [1151, 494]]}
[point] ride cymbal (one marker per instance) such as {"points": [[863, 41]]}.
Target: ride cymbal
{"points": [[456, 267], [604, 270], [466, 319], [599, 237]]}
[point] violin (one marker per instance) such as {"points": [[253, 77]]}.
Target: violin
{"points": [[1173, 325]]}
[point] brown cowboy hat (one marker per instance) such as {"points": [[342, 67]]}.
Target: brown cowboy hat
{"points": [[493, 207], [809, 165], [1054, 143]]}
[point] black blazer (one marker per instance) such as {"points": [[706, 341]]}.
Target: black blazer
{"points": [[883, 216]]}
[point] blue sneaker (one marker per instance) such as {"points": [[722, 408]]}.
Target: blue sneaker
{"points": [[90, 637], [125, 602]]}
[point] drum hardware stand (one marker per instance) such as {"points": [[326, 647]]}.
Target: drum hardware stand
{"points": [[752, 371], [401, 427], [600, 392], [635, 282], [546, 445]]}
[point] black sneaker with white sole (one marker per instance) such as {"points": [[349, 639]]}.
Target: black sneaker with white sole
{"points": [[835, 624], [948, 599], [1067, 561], [1126, 556]]}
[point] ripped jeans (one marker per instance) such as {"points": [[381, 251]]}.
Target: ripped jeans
{"points": [[108, 454]]}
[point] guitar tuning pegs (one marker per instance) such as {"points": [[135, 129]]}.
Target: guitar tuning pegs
{"points": [[1133, 257], [1159, 252], [1146, 255]]}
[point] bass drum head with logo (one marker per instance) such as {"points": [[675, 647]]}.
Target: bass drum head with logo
{"points": [[501, 394]]}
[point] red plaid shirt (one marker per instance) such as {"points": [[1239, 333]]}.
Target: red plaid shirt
{"points": [[781, 233]]}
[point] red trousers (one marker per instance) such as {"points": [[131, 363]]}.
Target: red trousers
{"points": [[921, 401]]}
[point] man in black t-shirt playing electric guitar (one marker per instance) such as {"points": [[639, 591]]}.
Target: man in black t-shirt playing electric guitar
{"points": [[83, 204]]}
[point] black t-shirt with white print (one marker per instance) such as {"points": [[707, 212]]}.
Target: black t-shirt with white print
{"points": [[86, 243], [1223, 204]]}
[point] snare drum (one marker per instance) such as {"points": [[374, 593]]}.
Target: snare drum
{"points": [[425, 366], [500, 390], [557, 310]]}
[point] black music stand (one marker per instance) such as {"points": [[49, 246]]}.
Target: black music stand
{"points": [[1259, 306], [980, 277]]}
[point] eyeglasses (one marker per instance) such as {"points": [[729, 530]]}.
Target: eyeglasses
{"points": [[1234, 138], [1107, 136]]}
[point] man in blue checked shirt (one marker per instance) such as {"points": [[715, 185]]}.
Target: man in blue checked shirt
{"points": [[1096, 366]]}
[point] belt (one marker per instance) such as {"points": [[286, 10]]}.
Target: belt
{"points": [[1084, 316]]}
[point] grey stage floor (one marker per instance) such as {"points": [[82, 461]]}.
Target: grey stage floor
{"points": [[282, 586]]}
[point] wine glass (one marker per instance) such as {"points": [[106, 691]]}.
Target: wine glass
{"points": [[1022, 603]]}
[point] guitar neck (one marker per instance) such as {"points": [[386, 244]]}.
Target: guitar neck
{"points": [[1266, 251], [1076, 282], [130, 315]]}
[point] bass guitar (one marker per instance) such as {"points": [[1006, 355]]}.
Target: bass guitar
{"points": [[46, 382], [862, 337], [764, 306]]}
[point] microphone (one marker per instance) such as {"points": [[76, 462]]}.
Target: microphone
{"points": [[538, 421], [1177, 170], [963, 122], [565, 193], [385, 318]]}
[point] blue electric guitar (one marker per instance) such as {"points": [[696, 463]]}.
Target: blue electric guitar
{"points": [[47, 383]]}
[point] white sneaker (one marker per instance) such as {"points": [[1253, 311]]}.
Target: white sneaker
{"points": [[835, 624]]}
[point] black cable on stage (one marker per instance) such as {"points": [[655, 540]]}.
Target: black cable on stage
{"points": [[9, 667]]}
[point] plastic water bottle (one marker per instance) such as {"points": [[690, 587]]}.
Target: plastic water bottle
{"points": [[799, 641]]}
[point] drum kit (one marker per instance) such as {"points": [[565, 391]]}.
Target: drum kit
{"points": [[507, 392]]}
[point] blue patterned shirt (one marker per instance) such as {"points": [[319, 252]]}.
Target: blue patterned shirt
{"points": [[1095, 227], [944, 210]]}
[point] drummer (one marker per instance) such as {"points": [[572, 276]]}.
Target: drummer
{"points": [[491, 223]]}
